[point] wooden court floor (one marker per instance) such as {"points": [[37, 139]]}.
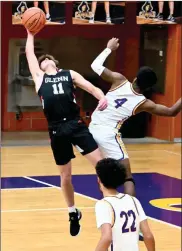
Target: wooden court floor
{"points": [[35, 218]]}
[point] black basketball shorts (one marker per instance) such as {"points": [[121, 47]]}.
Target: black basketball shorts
{"points": [[67, 134]]}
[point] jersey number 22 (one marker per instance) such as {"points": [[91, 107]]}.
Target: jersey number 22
{"points": [[126, 216]]}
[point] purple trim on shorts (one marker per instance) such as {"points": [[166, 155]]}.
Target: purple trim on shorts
{"points": [[119, 147], [121, 159]]}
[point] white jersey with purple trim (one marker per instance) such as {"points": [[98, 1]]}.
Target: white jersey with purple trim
{"points": [[124, 213], [122, 103], [105, 125]]}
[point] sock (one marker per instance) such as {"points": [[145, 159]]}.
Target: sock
{"points": [[47, 15], [72, 209]]}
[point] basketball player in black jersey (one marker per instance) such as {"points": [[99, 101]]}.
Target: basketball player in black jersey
{"points": [[56, 91]]}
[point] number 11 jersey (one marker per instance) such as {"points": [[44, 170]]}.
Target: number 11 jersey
{"points": [[124, 213], [122, 103], [57, 94]]}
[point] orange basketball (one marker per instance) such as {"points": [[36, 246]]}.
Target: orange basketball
{"points": [[34, 19]]}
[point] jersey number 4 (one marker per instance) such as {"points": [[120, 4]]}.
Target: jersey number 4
{"points": [[127, 215], [58, 88], [119, 102]]}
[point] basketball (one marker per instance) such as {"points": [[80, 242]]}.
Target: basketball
{"points": [[34, 19]]}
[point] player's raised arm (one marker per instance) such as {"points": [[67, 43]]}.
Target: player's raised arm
{"points": [[31, 58], [97, 65], [81, 82], [160, 110]]}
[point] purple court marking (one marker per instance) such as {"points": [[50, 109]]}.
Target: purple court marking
{"points": [[18, 182], [149, 186]]}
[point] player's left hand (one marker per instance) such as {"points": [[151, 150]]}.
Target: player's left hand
{"points": [[102, 104]]}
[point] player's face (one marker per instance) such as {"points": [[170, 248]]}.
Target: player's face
{"points": [[47, 62]]}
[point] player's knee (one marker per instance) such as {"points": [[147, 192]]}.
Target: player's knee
{"points": [[126, 165], [129, 180], [65, 175], [65, 178]]}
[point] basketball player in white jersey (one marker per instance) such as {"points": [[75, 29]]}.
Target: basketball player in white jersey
{"points": [[119, 216], [124, 100]]}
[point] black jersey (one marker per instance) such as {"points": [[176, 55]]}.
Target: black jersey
{"points": [[57, 94]]}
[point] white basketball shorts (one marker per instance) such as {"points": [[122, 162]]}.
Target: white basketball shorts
{"points": [[109, 141]]}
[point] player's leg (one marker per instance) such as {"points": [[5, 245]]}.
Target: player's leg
{"points": [[122, 155], [111, 146], [129, 185], [46, 8], [107, 10], [63, 153], [94, 6], [36, 3], [94, 156], [68, 192], [171, 9], [66, 185], [160, 6]]}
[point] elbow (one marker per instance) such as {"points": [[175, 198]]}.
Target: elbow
{"points": [[148, 236], [93, 65], [107, 240], [172, 113]]}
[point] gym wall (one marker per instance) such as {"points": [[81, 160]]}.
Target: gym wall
{"points": [[127, 61]]}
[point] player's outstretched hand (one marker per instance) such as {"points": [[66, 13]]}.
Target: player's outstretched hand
{"points": [[113, 44], [102, 104], [30, 33]]}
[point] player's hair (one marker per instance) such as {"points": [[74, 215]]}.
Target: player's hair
{"points": [[111, 173], [146, 78], [43, 57]]}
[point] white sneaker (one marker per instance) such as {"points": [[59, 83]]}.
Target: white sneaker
{"points": [[48, 17], [108, 20], [91, 20]]}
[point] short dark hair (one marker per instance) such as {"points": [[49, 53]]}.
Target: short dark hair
{"points": [[146, 78], [111, 173], [43, 57]]}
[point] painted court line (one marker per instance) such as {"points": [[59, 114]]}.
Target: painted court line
{"points": [[25, 188], [172, 152], [84, 196], [48, 184], [42, 209], [152, 150]]}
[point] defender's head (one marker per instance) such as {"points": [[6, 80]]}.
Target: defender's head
{"points": [[47, 60], [111, 173], [146, 78]]}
